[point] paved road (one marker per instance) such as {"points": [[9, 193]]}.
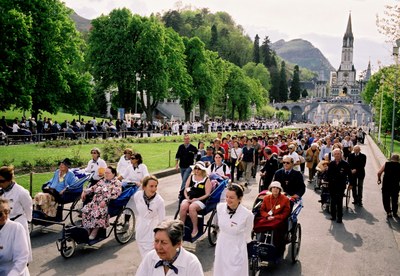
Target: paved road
{"points": [[365, 244]]}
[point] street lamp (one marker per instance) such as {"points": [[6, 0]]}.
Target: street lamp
{"points": [[396, 54], [137, 90], [380, 110], [226, 107]]}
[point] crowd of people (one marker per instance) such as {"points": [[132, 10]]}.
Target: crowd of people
{"points": [[28, 129], [329, 153]]}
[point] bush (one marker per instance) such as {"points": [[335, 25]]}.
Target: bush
{"points": [[7, 162], [45, 163], [113, 151], [26, 165]]}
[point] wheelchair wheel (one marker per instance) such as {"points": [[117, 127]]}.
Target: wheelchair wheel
{"points": [[124, 230], [75, 213], [296, 242], [30, 227], [213, 228], [348, 194], [68, 248], [254, 266]]}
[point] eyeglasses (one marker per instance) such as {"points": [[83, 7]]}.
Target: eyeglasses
{"points": [[133, 158], [3, 213], [94, 152], [286, 162], [196, 168], [3, 180]]}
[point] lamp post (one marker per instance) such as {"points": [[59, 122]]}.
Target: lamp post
{"points": [[137, 90], [226, 107], [380, 112], [396, 54]]}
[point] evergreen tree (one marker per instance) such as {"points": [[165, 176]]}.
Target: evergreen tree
{"points": [[266, 53], [295, 89], [283, 86], [275, 81], [214, 38], [304, 94], [256, 49]]}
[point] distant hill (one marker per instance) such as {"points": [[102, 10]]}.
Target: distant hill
{"points": [[82, 24], [304, 54]]}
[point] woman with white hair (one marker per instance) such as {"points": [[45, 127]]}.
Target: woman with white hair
{"points": [[274, 211]]}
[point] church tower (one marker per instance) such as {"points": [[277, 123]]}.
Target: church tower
{"points": [[344, 82]]}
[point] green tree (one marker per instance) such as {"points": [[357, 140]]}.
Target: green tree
{"points": [[112, 55], [266, 54], [256, 49], [173, 19], [16, 83], [259, 72], [283, 86], [275, 81], [199, 66], [56, 53], [304, 93], [295, 89], [214, 38]]}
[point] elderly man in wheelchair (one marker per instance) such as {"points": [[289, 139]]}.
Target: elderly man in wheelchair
{"points": [[270, 224]]}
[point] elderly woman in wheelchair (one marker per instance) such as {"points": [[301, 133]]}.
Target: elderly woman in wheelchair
{"points": [[272, 217]]}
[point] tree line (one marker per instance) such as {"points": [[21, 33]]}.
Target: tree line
{"points": [[46, 65]]}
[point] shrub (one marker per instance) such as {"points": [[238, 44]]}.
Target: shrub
{"points": [[112, 151], [26, 165], [45, 163], [8, 162]]}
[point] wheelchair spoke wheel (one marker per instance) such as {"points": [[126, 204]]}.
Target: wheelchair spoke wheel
{"points": [[30, 227], [124, 230], [75, 213], [254, 266], [68, 248], [296, 242], [213, 228]]}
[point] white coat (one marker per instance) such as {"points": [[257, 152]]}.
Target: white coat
{"points": [[186, 263], [147, 218], [231, 250], [14, 251], [20, 203], [135, 175], [94, 166], [123, 164]]}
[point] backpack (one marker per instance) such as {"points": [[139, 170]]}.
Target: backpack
{"points": [[223, 167]]}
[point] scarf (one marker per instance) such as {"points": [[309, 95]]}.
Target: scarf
{"points": [[169, 264]]}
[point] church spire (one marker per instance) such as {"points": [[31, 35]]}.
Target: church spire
{"points": [[348, 37]]}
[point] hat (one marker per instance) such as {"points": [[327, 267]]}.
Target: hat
{"points": [[276, 184], [67, 162], [200, 165]]}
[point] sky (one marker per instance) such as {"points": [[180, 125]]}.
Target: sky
{"points": [[321, 22]]}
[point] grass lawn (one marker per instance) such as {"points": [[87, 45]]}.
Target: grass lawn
{"points": [[59, 117], [157, 157]]}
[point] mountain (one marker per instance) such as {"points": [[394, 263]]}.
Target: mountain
{"points": [[82, 24], [304, 54]]}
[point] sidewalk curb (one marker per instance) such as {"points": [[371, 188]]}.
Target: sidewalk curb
{"points": [[165, 173], [380, 158]]}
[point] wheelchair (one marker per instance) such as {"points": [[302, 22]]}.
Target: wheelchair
{"points": [[210, 226], [70, 196], [263, 250], [123, 230]]}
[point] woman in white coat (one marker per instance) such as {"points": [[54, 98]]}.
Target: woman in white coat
{"points": [[235, 224], [14, 248], [19, 200], [150, 211]]}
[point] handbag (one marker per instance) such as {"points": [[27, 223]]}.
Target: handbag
{"points": [[309, 158]]}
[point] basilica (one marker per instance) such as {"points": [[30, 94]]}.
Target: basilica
{"points": [[338, 101]]}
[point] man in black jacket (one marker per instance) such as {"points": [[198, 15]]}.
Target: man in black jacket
{"points": [[269, 169], [338, 174], [291, 180], [185, 158], [357, 161]]}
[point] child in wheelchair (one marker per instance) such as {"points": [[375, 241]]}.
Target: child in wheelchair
{"points": [[270, 223]]}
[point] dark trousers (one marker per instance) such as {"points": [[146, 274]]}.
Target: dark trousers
{"points": [[337, 203], [357, 183], [390, 196], [233, 168]]}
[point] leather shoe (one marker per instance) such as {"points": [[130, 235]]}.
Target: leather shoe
{"points": [[339, 220], [332, 218]]}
